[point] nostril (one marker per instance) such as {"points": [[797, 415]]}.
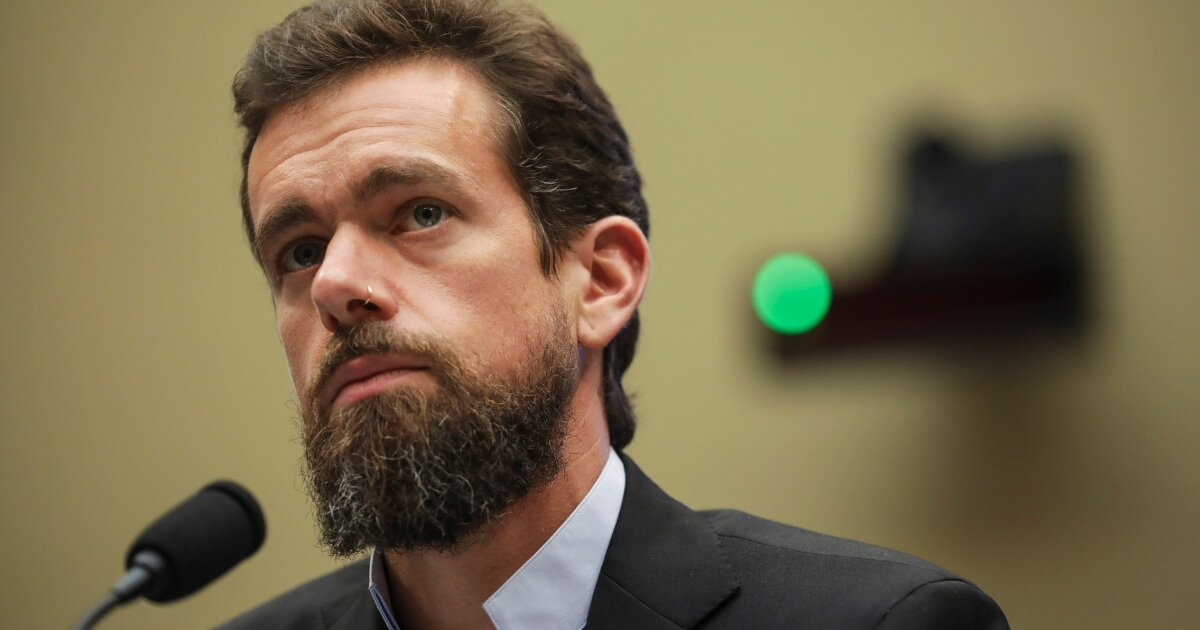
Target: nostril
{"points": [[354, 305]]}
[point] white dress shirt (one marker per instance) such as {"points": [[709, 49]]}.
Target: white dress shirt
{"points": [[553, 589]]}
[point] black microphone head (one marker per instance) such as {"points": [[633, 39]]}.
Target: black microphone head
{"points": [[201, 538]]}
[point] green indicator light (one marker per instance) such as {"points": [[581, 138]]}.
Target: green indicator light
{"points": [[791, 293]]}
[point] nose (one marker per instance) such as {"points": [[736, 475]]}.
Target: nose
{"points": [[350, 288]]}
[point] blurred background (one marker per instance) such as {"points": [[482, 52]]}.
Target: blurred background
{"points": [[139, 356]]}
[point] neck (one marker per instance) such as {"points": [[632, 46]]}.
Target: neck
{"points": [[435, 590]]}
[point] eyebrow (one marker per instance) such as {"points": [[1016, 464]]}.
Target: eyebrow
{"points": [[381, 178]]}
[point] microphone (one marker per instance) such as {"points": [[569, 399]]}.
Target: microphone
{"points": [[188, 547]]}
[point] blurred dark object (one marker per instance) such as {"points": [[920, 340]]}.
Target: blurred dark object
{"points": [[987, 248]]}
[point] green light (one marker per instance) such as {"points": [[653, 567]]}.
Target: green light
{"points": [[791, 293]]}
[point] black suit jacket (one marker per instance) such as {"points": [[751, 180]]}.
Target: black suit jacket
{"points": [[669, 567]]}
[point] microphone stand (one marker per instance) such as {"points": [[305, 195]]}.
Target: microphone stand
{"points": [[146, 566]]}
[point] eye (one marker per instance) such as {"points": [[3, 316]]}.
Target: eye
{"points": [[303, 255], [426, 215]]}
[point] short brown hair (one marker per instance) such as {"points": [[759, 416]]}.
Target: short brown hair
{"points": [[559, 134]]}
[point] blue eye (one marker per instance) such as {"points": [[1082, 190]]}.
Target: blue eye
{"points": [[427, 214], [303, 255]]}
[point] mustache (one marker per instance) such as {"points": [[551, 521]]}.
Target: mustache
{"points": [[376, 337]]}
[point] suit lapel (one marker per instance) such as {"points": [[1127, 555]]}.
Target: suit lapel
{"points": [[664, 567]]}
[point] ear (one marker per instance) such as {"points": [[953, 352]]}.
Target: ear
{"points": [[614, 267]]}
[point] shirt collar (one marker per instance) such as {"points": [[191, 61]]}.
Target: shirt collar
{"points": [[553, 589], [378, 585]]}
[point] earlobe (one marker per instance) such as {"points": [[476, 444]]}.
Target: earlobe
{"points": [[616, 257]]}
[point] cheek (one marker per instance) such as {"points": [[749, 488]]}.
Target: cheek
{"points": [[298, 338], [504, 312]]}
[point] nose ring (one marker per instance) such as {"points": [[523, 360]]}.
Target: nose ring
{"points": [[367, 302]]}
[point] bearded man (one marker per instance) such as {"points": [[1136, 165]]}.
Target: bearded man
{"points": [[448, 214]]}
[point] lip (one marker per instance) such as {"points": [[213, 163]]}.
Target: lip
{"points": [[366, 376]]}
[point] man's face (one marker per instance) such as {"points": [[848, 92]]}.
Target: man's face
{"points": [[412, 308], [393, 181]]}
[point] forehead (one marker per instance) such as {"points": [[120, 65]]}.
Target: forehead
{"points": [[432, 109]]}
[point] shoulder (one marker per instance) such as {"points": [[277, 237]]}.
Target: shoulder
{"points": [[788, 574], [310, 605], [757, 539]]}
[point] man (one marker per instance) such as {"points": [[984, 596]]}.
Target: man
{"points": [[447, 211]]}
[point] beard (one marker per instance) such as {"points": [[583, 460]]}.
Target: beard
{"points": [[410, 470]]}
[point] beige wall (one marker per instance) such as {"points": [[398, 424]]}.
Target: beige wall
{"points": [[139, 358]]}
